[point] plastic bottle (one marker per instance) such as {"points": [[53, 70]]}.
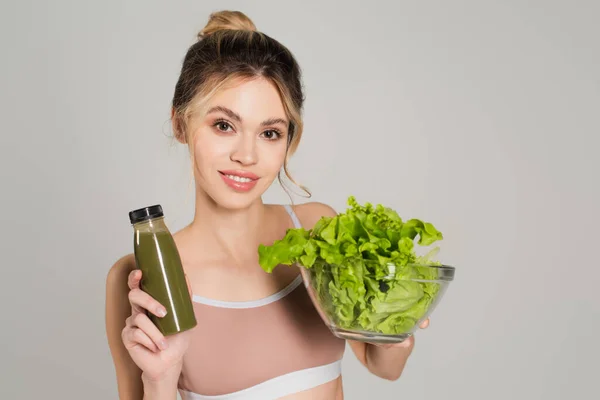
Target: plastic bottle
{"points": [[163, 277]]}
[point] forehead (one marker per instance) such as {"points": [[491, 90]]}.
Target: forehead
{"points": [[253, 100]]}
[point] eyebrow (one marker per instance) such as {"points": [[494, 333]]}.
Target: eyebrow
{"points": [[235, 116]]}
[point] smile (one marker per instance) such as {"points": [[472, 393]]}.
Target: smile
{"points": [[240, 181], [239, 178]]}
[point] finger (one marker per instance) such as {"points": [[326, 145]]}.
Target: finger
{"points": [[134, 278], [141, 301], [150, 330], [136, 337], [424, 324]]}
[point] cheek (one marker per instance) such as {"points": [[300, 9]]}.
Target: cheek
{"points": [[273, 156], [208, 150]]}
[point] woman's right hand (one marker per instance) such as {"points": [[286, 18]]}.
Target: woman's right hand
{"points": [[156, 355]]}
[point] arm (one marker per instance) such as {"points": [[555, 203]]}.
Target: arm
{"points": [[132, 383], [386, 362], [118, 309], [164, 389]]}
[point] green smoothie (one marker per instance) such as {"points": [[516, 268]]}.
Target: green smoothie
{"points": [[163, 278]]}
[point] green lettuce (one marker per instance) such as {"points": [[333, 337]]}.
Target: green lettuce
{"points": [[363, 266]]}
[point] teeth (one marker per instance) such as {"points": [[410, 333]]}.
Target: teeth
{"points": [[239, 178]]}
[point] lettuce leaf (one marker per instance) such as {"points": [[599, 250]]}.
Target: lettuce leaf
{"points": [[362, 263]]}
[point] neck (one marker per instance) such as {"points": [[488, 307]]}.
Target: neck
{"points": [[232, 234]]}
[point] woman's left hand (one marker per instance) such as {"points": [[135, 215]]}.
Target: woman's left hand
{"points": [[404, 344]]}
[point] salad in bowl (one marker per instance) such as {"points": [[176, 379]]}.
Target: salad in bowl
{"points": [[362, 271]]}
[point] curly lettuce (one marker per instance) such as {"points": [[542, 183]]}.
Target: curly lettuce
{"points": [[363, 265]]}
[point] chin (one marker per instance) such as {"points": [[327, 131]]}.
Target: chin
{"points": [[234, 201]]}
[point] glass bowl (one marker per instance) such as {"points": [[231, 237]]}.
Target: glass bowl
{"points": [[368, 301]]}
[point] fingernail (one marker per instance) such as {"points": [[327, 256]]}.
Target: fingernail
{"points": [[162, 312], [163, 344]]}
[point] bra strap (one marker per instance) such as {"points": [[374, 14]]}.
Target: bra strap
{"points": [[293, 215]]}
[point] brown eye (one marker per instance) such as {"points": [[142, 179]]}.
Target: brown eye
{"points": [[222, 126], [271, 135]]}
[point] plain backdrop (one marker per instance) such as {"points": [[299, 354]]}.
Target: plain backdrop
{"points": [[479, 116]]}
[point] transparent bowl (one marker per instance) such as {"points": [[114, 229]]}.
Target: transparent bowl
{"points": [[369, 302]]}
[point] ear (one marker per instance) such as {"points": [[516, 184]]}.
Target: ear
{"points": [[177, 127]]}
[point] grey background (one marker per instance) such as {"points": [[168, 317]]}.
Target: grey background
{"points": [[480, 116]]}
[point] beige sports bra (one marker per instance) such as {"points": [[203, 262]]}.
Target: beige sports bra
{"points": [[259, 350]]}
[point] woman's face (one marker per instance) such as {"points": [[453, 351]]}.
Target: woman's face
{"points": [[240, 144]]}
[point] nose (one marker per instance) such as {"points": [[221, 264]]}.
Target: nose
{"points": [[244, 151]]}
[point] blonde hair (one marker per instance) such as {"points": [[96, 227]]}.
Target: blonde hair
{"points": [[229, 50]]}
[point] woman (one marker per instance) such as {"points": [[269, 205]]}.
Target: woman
{"points": [[237, 105]]}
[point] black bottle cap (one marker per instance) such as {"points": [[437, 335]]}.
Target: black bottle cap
{"points": [[145, 213]]}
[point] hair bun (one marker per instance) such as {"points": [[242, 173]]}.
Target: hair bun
{"points": [[226, 20]]}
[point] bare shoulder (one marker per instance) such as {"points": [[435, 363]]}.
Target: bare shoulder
{"points": [[117, 310], [117, 300], [310, 213], [121, 268], [117, 290], [117, 295]]}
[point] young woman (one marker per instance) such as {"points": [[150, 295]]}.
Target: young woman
{"points": [[237, 105]]}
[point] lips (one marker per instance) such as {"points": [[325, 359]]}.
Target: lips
{"points": [[240, 181], [241, 174]]}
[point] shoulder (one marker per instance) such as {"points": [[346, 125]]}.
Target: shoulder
{"points": [[120, 270], [310, 213], [117, 289], [117, 310]]}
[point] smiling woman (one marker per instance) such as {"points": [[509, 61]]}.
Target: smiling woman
{"points": [[237, 106], [243, 140], [212, 67]]}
